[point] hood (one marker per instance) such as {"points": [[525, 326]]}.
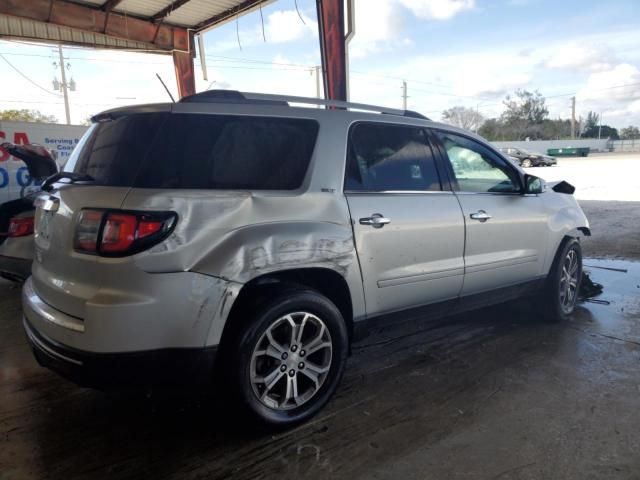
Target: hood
{"points": [[39, 161]]}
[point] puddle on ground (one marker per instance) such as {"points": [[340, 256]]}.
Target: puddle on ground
{"points": [[621, 282]]}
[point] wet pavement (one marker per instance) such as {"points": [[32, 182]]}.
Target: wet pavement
{"points": [[492, 394]]}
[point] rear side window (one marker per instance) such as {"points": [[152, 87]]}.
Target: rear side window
{"points": [[390, 157], [195, 151], [113, 151]]}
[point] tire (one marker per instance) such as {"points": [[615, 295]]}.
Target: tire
{"points": [[265, 350], [526, 163], [559, 299]]}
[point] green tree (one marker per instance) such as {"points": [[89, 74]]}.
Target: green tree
{"points": [[630, 133], [463, 117], [492, 130], [525, 106], [592, 121], [25, 115], [601, 131]]}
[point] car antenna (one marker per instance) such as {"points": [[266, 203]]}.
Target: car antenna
{"points": [[165, 87]]}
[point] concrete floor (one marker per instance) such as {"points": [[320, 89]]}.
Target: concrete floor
{"points": [[496, 394]]}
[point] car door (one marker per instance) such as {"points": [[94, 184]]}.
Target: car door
{"points": [[409, 233], [506, 231]]}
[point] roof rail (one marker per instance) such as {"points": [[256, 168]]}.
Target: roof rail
{"points": [[234, 96]]}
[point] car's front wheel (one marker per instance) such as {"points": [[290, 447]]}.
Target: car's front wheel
{"points": [[563, 283], [526, 163], [290, 357]]}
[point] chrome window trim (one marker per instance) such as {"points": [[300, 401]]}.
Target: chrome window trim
{"points": [[396, 192], [511, 194]]}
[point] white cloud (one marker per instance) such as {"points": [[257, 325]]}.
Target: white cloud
{"points": [[633, 109], [619, 84], [497, 84], [437, 9], [379, 23], [286, 26], [581, 57]]}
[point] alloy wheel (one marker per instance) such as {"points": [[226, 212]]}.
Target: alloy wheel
{"points": [[291, 361], [569, 281]]}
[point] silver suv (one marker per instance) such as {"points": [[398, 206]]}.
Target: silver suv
{"points": [[242, 231]]}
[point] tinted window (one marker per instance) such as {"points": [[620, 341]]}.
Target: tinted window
{"points": [[114, 150], [389, 157], [165, 150], [476, 169]]}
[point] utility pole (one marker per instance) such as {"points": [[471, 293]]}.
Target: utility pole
{"points": [[600, 127], [404, 95], [573, 118], [64, 86]]}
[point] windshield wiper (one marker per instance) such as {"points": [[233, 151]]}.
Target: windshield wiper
{"points": [[47, 185]]}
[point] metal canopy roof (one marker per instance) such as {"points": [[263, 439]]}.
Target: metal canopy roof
{"points": [[193, 14], [160, 25]]}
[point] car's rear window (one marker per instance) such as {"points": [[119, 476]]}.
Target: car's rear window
{"points": [[198, 151]]}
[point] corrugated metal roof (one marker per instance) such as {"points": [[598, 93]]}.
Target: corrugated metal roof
{"points": [[143, 8], [196, 11], [190, 14], [17, 27], [155, 26]]}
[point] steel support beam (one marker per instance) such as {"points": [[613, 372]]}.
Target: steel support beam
{"points": [[67, 14], [333, 48], [109, 5], [185, 75]]}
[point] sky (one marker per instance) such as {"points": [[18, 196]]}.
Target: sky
{"points": [[450, 52]]}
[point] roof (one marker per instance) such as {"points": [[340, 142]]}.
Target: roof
{"points": [[251, 99], [159, 25]]}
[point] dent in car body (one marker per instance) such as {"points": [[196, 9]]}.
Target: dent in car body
{"points": [[239, 236], [565, 218]]}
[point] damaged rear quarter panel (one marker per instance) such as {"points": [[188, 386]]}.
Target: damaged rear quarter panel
{"points": [[239, 236]]}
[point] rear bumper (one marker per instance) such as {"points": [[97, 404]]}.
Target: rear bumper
{"points": [[15, 269], [167, 367]]}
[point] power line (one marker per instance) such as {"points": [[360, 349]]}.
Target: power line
{"points": [[295, 67], [27, 78]]}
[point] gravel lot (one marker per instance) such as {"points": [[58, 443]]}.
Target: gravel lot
{"points": [[608, 189], [604, 176]]}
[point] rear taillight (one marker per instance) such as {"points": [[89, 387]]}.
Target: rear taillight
{"points": [[87, 230], [20, 226], [119, 233]]}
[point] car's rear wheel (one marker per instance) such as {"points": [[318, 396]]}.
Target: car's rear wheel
{"points": [[290, 357], [526, 163], [563, 283]]}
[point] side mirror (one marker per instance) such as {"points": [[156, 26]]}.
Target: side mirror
{"points": [[533, 184]]}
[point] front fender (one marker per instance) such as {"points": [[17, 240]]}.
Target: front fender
{"points": [[565, 219]]}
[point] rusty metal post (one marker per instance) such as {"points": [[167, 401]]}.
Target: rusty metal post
{"points": [[183, 63], [333, 48]]}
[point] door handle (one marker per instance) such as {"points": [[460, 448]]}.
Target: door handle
{"points": [[480, 215], [377, 220]]}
